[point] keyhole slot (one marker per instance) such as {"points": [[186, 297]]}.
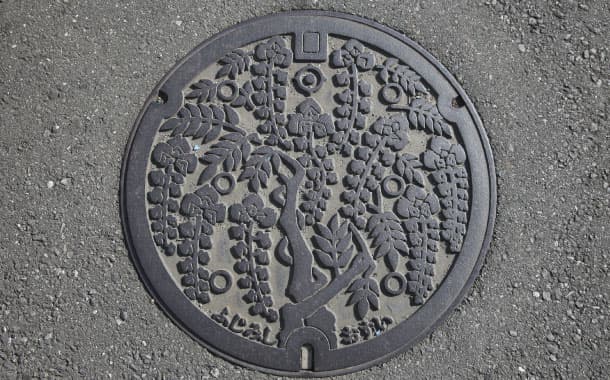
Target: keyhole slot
{"points": [[307, 357]]}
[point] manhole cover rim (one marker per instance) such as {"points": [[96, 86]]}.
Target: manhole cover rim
{"points": [[183, 322]]}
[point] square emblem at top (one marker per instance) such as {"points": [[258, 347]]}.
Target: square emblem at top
{"points": [[310, 46]]}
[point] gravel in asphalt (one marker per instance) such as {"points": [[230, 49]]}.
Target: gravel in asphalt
{"points": [[74, 75]]}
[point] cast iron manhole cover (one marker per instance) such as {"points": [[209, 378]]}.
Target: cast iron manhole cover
{"points": [[308, 193]]}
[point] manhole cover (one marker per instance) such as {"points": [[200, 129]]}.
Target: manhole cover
{"points": [[308, 193]]}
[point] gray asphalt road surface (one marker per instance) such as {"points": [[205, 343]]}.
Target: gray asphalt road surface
{"points": [[74, 75]]}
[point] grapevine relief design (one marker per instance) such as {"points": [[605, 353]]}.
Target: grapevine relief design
{"points": [[332, 194]]}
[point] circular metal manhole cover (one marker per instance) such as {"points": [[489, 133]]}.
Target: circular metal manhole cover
{"points": [[308, 193]]}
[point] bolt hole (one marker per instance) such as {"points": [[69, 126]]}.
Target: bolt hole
{"points": [[161, 97], [457, 102]]}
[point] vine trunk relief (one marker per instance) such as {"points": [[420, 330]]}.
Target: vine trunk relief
{"points": [[307, 186]]}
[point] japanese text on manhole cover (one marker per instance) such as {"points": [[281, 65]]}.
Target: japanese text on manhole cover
{"points": [[308, 193]]}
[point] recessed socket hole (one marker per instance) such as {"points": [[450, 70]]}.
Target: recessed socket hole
{"points": [[161, 97], [457, 102]]}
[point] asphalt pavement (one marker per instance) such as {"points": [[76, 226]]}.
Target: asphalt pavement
{"points": [[74, 75]]}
